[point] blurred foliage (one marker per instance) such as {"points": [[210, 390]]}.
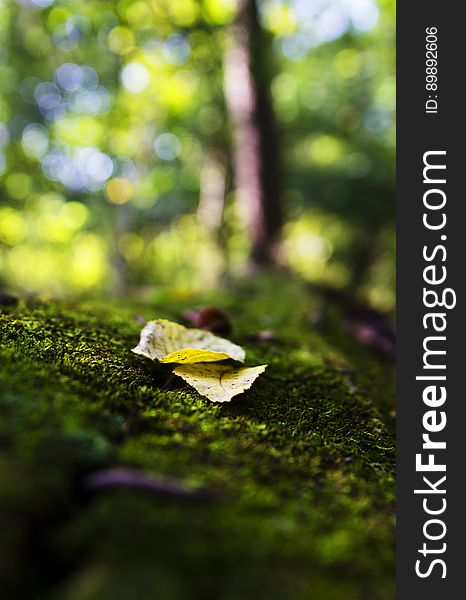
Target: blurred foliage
{"points": [[110, 110]]}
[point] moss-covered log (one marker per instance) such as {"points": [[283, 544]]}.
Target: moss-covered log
{"points": [[296, 475]]}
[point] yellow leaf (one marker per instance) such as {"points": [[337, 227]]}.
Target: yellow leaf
{"points": [[169, 342], [219, 383]]}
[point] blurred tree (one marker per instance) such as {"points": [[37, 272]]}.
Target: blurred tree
{"points": [[117, 155], [256, 146]]}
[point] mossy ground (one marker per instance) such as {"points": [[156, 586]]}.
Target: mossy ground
{"points": [[301, 466]]}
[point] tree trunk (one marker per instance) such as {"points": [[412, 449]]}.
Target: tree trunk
{"points": [[256, 146], [212, 192]]}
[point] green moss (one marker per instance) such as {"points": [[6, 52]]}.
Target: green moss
{"points": [[301, 466]]}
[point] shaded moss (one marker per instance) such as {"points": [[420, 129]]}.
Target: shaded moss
{"points": [[302, 465]]}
